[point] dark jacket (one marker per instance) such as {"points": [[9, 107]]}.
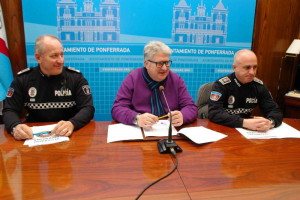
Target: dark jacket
{"points": [[231, 101], [49, 99]]}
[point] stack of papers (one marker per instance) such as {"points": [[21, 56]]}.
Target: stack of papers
{"points": [[161, 128], [293, 94], [283, 131], [198, 135], [44, 139]]}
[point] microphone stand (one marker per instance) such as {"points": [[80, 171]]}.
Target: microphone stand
{"points": [[168, 145]]}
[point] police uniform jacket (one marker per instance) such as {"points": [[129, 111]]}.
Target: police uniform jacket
{"points": [[49, 99], [231, 101]]}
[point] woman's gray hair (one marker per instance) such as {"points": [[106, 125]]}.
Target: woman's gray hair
{"points": [[39, 43], [154, 47]]}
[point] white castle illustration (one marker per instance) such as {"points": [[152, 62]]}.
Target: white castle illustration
{"points": [[88, 24], [200, 28]]}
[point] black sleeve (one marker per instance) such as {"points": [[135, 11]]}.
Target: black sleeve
{"points": [[216, 110], [84, 103], [269, 107], [13, 104]]}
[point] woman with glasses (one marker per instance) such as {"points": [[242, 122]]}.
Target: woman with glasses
{"points": [[140, 99]]}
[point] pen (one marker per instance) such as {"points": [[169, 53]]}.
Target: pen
{"points": [[42, 133], [163, 116]]}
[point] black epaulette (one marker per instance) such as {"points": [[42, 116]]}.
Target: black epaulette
{"points": [[258, 81], [73, 69], [24, 71], [225, 80]]}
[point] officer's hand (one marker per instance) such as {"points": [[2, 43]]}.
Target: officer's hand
{"points": [[257, 124], [177, 118], [63, 128], [146, 120], [22, 131]]}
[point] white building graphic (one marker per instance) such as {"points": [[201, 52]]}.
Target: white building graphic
{"points": [[200, 28], [88, 24]]}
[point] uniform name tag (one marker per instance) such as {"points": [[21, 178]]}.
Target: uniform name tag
{"points": [[251, 100], [61, 93]]}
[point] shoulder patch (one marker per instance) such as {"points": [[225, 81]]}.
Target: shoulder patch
{"points": [[24, 71], [73, 69], [224, 80], [215, 96], [86, 89], [258, 81], [10, 92]]}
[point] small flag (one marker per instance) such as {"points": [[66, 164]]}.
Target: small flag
{"points": [[6, 75]]}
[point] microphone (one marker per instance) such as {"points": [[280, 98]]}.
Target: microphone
{"points": [[167, 145]]}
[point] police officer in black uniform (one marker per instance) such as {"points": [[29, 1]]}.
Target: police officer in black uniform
{"points": [[233, 97], [49, 92]]}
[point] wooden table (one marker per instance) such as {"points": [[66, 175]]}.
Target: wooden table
{"points": [[87, 167]]}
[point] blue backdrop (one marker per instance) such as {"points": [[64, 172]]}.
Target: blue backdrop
{"points": [[104, 39]]}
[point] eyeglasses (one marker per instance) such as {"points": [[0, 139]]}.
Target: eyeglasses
{"points": [[162, 63]]}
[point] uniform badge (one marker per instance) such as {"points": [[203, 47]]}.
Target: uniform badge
{"points": [[23, 71], [215, 96], [32, 92], [258, 81], [237, 82], [86, 89], [73, 69], [10, 92], [231, 100], [225, 80]]}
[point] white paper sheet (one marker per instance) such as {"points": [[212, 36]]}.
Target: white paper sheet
{"points": [[120, 131], [161, 128], [37, 129], [201, 134], [283, 131], [44, 139]]}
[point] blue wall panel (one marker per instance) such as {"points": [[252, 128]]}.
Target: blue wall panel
{"points": [[104, 39]]}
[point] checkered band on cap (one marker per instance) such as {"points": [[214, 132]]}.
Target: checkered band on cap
{"points": [[239, 111], [51, 105]]}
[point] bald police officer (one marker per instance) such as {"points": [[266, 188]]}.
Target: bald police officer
{"points": [[233, 97]]}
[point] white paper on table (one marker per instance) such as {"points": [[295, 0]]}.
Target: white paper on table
{"points": [[283, 131], [37, 129], [43, 140], [201, 134], [161, 128], [117, 132]]}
